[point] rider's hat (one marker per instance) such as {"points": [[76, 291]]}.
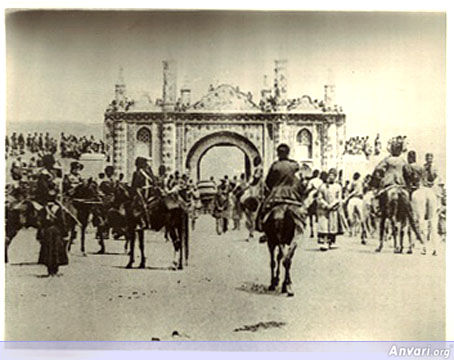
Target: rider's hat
{"points": [[141, 161], [332, 171]]}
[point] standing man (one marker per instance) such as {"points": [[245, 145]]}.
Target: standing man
{"points": [[429, 180], [52, 226], [329, 199]]}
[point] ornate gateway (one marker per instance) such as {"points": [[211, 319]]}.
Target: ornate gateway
{"points": [[177, 133]]}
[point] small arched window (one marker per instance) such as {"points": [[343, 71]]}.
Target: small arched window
{"points": [[143, 147], [304, 144]]}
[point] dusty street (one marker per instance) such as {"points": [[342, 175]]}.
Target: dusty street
{"points": [[347, 293]]}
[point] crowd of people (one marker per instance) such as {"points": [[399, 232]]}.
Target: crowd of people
{"points": [[36, 143], [39, 144], [72, 146], [357, 145], [334, 202]]}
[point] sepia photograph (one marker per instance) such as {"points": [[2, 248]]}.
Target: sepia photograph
{"points": [[202, 175]]}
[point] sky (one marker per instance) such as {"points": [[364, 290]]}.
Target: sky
{"points": [[389, 68]]}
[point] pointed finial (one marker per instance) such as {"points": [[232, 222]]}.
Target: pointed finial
{"points": [[265, 82], [330, 76], [121, 80]]}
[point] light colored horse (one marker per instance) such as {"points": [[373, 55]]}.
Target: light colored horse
{"points": [[424, 203], [355, 213]]}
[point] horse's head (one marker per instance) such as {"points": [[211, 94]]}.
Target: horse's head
{"points": [[376, 178], [23, 214], [122, 194]]}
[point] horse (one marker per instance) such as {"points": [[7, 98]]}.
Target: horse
{"points": [[18, 212], [15, 220], [424, 204], [280, 223], [26, 214], [356, 216], [395, 206], [131, 213]]}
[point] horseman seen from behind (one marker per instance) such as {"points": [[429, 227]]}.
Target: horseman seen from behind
{"points": [[393, 193], [282, 186], [281, 215]]}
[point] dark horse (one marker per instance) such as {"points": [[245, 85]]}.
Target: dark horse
{"points": [[19, 213], [280, 228], [280, 224], [16, 218], [395, 206], [130, 212], [26, 214]]}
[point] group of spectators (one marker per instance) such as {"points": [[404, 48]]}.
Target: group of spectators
{"points": [[39, 144], [72, 146], [360, 145]]}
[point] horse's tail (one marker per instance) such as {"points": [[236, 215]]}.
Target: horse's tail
{"points": [[280, 224]]}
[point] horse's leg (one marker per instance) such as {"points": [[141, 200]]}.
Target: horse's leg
{"points": [[415, 215], [432, 218], [311, 224], [186, 238], [395, 232], [130, 237], [82, 239], [382, 233], [271, 248], [280, 255], [249, 224], [101, 231], [402, 234], [193, 220], [73, 235], [179, 225], [141, 235], [176, 241], [8, 240], [288, 255], [219, 226]]}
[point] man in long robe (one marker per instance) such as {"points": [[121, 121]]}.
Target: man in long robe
{"points": [[329, 199]]}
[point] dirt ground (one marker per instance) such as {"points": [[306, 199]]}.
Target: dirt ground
{"points": [[348, 293]]}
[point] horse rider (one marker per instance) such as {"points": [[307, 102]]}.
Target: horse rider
{"points": [[108, 183], [73, 179], [392, 171], [282, 186], [143, 182]]}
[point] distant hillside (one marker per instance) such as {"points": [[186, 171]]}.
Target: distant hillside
{"points": [[55, 128]]}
